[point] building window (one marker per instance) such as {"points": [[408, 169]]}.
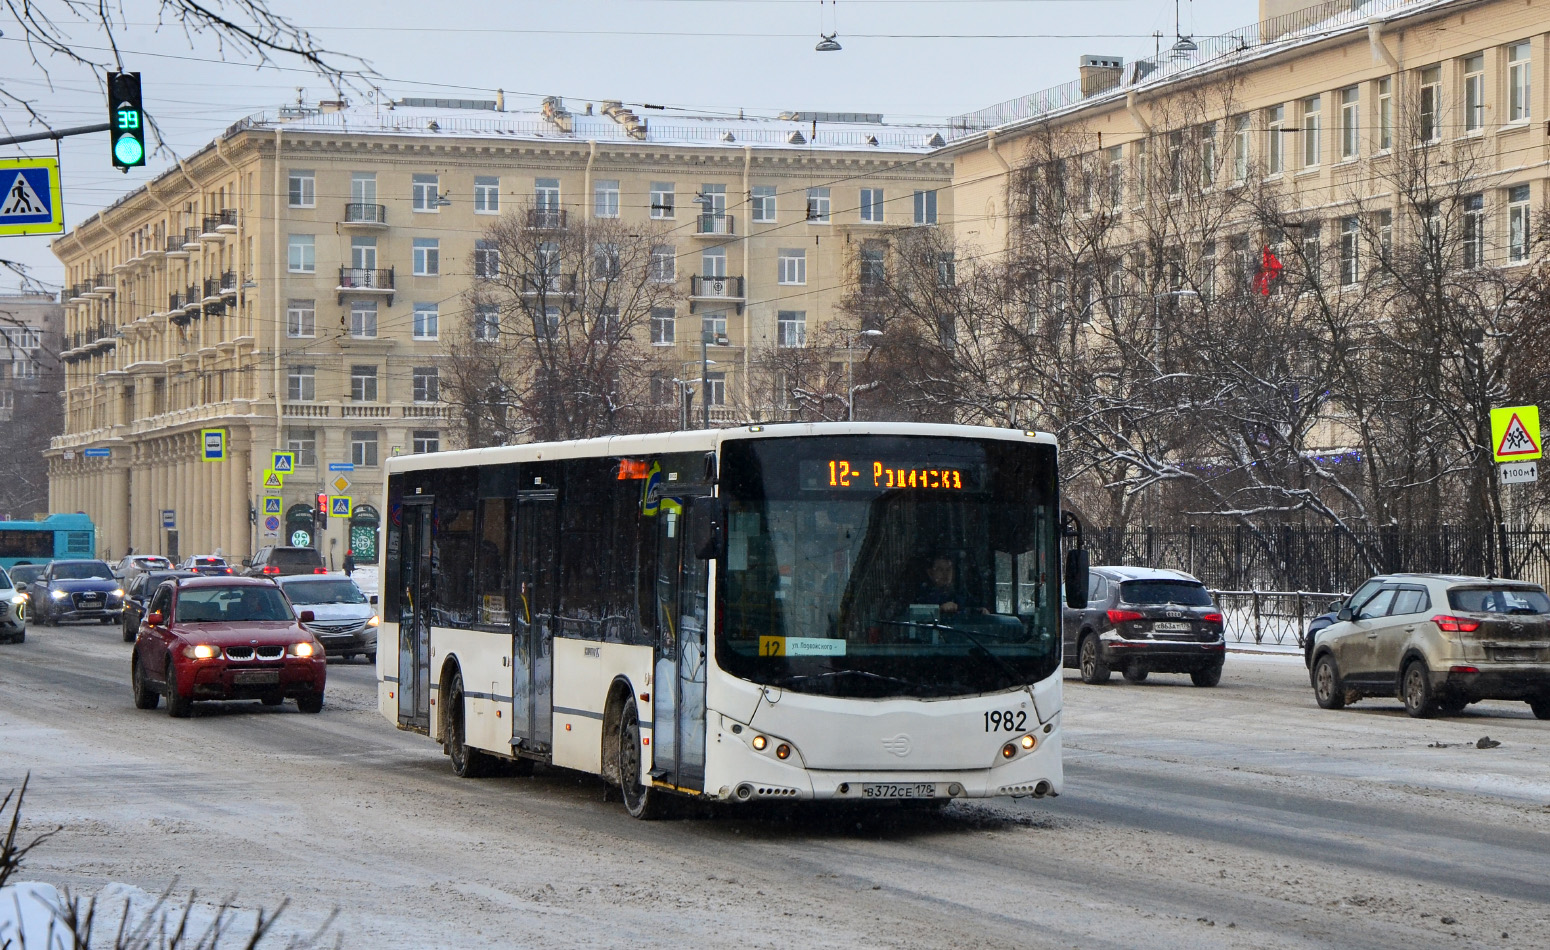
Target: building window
{"points": [[546, 195], [363, 447], [605, 199], [662, 199], [763, 204], [712, 200], [713, 262], [791, 328], [662, 389], [363, 187], [487, 323], [1313, 253], [606, 264], [925, 207], [716, 389], [425, 441], [1116, 157], [663, 266], [548, 328], [304, 189], [1350, 122], [1275, 148], [301, 319], [1143, 181], [1240, 149], [301, 383], [1385, 114], [427, 384], [363, 253], [1207, 271], [487, 195], [302, 257], [1474, 92], [714, 323], [1384, 222], [487, 259], [1175, 163], [1517, 82], [1474, 231], [663, 323], [427, 321], [363, 319], [606, 326], [1350, 244], [425, 193], [363, 383], [1208, 155], [946, 270], [1517, 224], [1431, 104], [872, 205], [873, 271], [818, 205], [427, 257], [791, 266], [1312, 125], [304, 444]]}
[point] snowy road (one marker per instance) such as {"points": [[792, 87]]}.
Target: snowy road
{"points": [[1237, 817]]}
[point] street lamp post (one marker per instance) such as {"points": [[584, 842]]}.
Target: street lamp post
{"points": [[850, 373], [707, 337]]}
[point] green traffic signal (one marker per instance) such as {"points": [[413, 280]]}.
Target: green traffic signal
{"points": [[128, 150]]}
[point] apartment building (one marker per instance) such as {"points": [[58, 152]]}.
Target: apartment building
{"points": [[31, 327], [1319, 99], [297, 283]]}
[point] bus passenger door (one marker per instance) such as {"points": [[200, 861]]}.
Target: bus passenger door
{"points": [[679, 728], [532, 665], [414, 626]]}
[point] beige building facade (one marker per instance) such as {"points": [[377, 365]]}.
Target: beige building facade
{"points": [[296, 285]]}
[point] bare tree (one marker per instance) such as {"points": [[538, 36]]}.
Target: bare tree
{"points": [[558, 340]]}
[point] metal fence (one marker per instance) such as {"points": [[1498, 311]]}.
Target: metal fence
{"points": [[1270, 618]]}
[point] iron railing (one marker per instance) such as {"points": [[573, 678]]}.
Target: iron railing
{"points": [[728, 288], [359, 212], [1271, 617], [366, 278]]}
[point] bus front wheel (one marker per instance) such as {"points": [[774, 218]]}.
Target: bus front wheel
{"points": [[641, 801], [466, 762]]}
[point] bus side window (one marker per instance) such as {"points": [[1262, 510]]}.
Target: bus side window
{"points": [[492, 563]]}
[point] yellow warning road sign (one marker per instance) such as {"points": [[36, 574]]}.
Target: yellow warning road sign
{"points": [[1515, 434], [30, 197], [273, 479]]}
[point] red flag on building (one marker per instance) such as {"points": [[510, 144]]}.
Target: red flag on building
{"points": [[1270, 269]]}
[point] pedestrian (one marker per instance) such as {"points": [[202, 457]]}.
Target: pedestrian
{"points": [[349, 562]]}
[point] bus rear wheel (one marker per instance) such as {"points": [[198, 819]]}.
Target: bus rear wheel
{"points": [[466, 762], [641, 801]]}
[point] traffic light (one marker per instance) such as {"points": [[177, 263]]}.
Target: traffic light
{"points": [[322, 508], [126, 121]]}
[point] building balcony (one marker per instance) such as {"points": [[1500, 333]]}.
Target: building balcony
{"points": [[305, 410], [175, 249], [211, 229], [364, 411], [540, 285], [716, 290], [229, 284], [191, 239], [714, 225], [427, 411], [544, 219], [358, 214], [77, 294], [228, 223], [211, 291], [102, 284], [365, 280]]}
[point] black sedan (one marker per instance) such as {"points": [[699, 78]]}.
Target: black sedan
{"points": [[77, 590], [139, 594]]}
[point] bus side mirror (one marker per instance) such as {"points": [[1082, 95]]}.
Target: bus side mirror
{"points": [[710, 529], [1076, 578]]}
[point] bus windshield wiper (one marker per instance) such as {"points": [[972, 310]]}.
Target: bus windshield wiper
{"points": [[975, 642], [831, 674]]}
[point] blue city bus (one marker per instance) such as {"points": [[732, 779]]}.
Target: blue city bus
{"points": [[38, 542]]}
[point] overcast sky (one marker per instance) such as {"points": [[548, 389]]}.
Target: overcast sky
{"points": [[911, 60]]}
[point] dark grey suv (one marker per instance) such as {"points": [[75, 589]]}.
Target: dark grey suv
{"points": [[274, 560], [1142, 620]]}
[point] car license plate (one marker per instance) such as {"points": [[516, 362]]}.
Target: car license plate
{"points": [[255, 677], [910, 790], [1510, 654], [1170, 626]]}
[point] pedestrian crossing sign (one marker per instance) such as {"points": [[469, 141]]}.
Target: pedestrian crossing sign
{"points": [[1515, 434], [30, 202], [339, 506], [283, 462], [272, 504]]}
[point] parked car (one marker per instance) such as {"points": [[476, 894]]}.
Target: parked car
{"points": [[1145, 620], [222, 638], [13, 616], [1438, 642], [76, 590], [206, 564], [139, 592], [22, 578], [275, 560], [132, 565], [345, 619], [1323, 620]]}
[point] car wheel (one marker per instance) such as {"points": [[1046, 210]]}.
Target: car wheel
{"points": [[129, 634], [177, 706], [1416, 691], [466, 762], [1326, 684], [310, 703], [1541, 707], [1135, 674], [1094, 670], [1209, 676], [641, 801], [145, 697]]}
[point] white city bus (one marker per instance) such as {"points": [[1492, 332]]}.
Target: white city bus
{"points": [[834, 611]]}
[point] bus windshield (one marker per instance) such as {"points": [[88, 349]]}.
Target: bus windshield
{"points": [[872, 566]]}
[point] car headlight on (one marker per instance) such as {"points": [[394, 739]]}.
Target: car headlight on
{"points": [[374, 622], [117, 592], [202, 651], [303, 649], [58, 594], [19, 599]]}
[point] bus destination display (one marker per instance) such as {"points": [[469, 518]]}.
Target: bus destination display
{"points": [[884, 474]]}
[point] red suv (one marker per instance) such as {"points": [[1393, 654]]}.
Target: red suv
{"points": [[225, 638]]}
